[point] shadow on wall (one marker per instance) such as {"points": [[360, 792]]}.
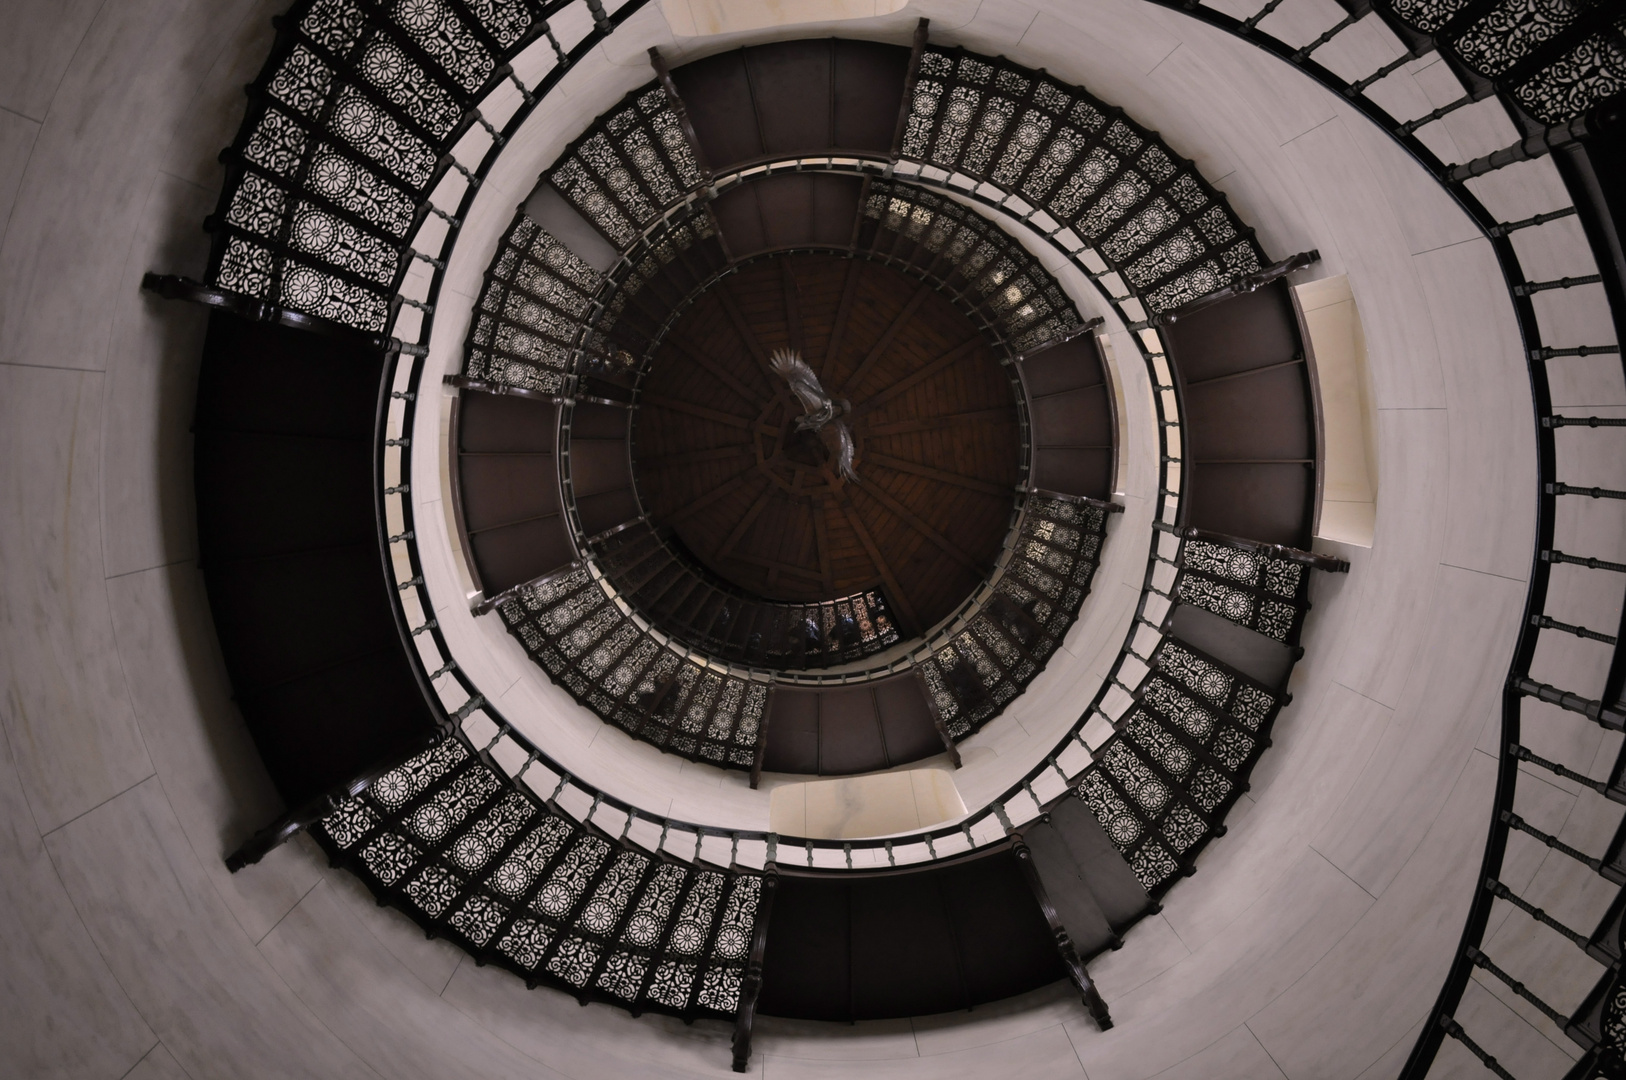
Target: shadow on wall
{"points": [[700, 18]]}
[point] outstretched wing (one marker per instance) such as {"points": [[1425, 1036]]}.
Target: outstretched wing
{"points": [[804, 383]]}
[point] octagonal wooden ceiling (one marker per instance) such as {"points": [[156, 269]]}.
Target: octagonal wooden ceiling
{"points": [[934, 419]]}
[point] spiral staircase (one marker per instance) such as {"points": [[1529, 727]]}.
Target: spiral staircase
{"points": [[629, 500]]}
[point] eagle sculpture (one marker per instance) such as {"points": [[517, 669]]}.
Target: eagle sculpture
{"points": [[820, 412]]}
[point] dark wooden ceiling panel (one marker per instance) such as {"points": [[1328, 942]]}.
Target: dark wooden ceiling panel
{"points": [[717, 94], [509, 423], [718, 457], [1271, 503], [790, 85], [869, 79]]}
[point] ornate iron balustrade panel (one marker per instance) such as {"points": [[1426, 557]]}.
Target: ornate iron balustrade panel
{"points": [[350, 126], [979, 670], [516, 881], [976, 260], [528, 319], [1162, 784], [630, 166], [1558, 67], [1146, 210], [614, 665]]}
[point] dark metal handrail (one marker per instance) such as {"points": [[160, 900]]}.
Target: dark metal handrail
{"points": [[1539, 140]]}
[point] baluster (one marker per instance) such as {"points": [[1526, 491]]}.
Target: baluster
{"points": [[1454, 1029], [1592, 492], [1546, 622], [1539, 219], [1609, 716], [1556, 556]]}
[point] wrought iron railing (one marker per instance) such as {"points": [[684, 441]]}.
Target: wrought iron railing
{"points": [[1558, 69], [324, 127], [1061, 770]]}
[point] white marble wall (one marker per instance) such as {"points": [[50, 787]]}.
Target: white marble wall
{"points": [[1311, 941]]}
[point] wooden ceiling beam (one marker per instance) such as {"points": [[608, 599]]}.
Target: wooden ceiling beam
{"points": [[894, 591], [876, 351], [959, 352], [726, 488], [696, 355], [913, 468], [935, 423], [902, 513]]}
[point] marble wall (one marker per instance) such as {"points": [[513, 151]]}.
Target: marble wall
{"points": [[1310, 943]]}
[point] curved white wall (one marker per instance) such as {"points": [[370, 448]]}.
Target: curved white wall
{"points": [[1310, 943]]}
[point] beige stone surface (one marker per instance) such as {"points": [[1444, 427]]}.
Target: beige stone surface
{"points": [[1316, 932]]}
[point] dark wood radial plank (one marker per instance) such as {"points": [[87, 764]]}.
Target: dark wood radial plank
{"points": [[963, 350], [714, 415], [697, 354], [775, 564], [894, 591], [934, 423], [844, 309], [747, 519], [722, 490], [821, 544], [793, 309], [899, 321], [694, 457], [893, 506], [958, 480], [748, 336]]}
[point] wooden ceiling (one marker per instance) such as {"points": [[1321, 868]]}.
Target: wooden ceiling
{"points": [[933, 417]]}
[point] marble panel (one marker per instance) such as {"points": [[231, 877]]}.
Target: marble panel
{"points": [[1499, 1031], [397, 1025], [1490, 516], [42, 37], [1389, 1065], [1303, 21], [1043, 1055], [203, 754], [1390, 598], [67, 712], [1521, 190], [1238, 1056], [148, 508], [1471, 621], [1161, 1024], [1553, 249], [17, 134], [159, 1064], [1321, 745], [814, 1040], [1375, 983], [1359, 50], [62, 1012], [998, 1021], [1365, 240], [1570, 318], [1564, 737], [133, 82], [598, 1040], [175, 948]]}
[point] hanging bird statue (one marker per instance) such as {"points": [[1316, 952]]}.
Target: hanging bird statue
{"points": [[820, 412]]}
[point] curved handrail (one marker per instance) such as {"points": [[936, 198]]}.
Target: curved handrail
{"points": [[1541, 138], [457, 701]]}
